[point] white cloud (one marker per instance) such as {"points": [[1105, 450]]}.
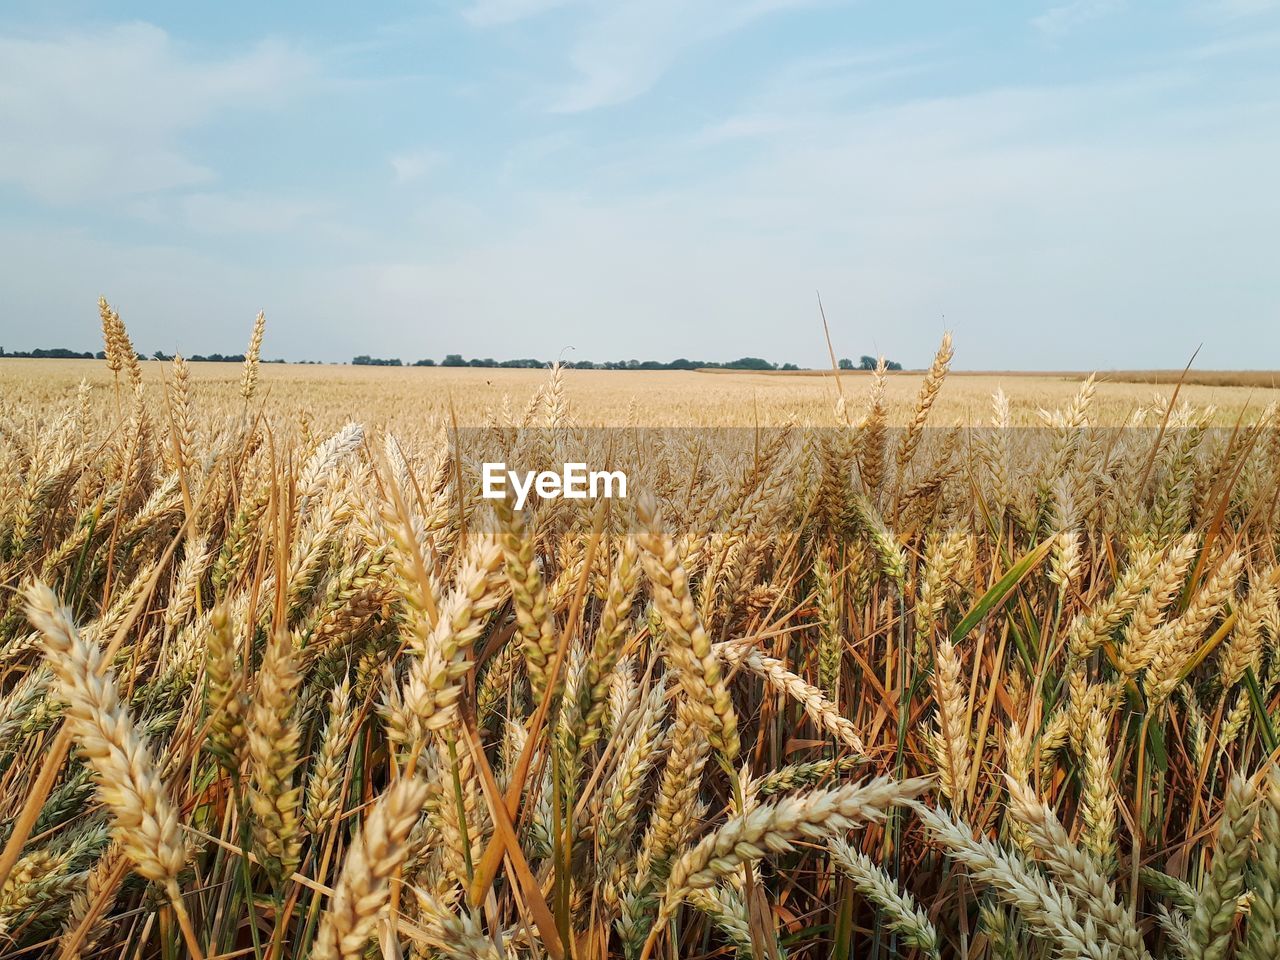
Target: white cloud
{"points": [[92, 116], [1064, 18], [821, 85], [171, 298], [493, 13], [222, 213], [1047, 240], [410, 165], [1085, 225], [1243, 43], [627, 47], [1235, 9], [235, 213], [621, 48], [1043, 241]]}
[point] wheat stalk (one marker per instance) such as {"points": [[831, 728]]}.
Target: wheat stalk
{"points": [[688, 645], [772, 828], [363, 889], [146, 823], [252, 358]]}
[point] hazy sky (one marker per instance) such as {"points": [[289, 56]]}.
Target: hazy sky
{"points": [[1087, 184]]}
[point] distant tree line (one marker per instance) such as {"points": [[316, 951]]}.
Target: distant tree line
{"points": [[52, 353], [742, 363], [528, 363], [457, 360], [61, 353], [868, 363], [221, 358]]}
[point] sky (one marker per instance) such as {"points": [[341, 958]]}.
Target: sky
{"points": [[1087, 184]]}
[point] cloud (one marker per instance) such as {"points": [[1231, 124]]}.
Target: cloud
{"points": [[101, 115], [1234, 46], [630, 45], [1064, 18], [821, 86], [222, 213], [623, 52], [171, 298], [494, 13], [1237, 9], [621, 48], [1044, 240], [1080, 225], [410, 165]]}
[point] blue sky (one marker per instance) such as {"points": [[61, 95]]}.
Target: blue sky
{"points": [[1083, 184]]}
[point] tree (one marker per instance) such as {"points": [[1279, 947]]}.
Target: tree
{"points": [[867, 363], [846, 363], [51, 353], [424, 363], [453, 360], [892, 365], [789, 366]]}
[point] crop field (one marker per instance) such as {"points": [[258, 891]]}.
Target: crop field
{"points": [[899, 666], [418, 398]]}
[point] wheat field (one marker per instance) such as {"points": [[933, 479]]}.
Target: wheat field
{"points": [[405, 398], [901, 665]]}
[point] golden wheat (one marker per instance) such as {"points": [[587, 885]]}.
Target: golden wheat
{"points": [[334, 700]]}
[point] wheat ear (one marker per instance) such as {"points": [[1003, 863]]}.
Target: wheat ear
{"points": [[924, 402], [1216, 906], [323, 802], [1098, 802], [1263, 939], [534, 619], [687, 645], [951, 738], [824, 714], [674, 808], [274, 744], [252, 356], [146, 823], [458, 937], [612, 630], [1046, 909], [1076, 870], [363, 889], [900, 909], [771, 828], [830, 641]]}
